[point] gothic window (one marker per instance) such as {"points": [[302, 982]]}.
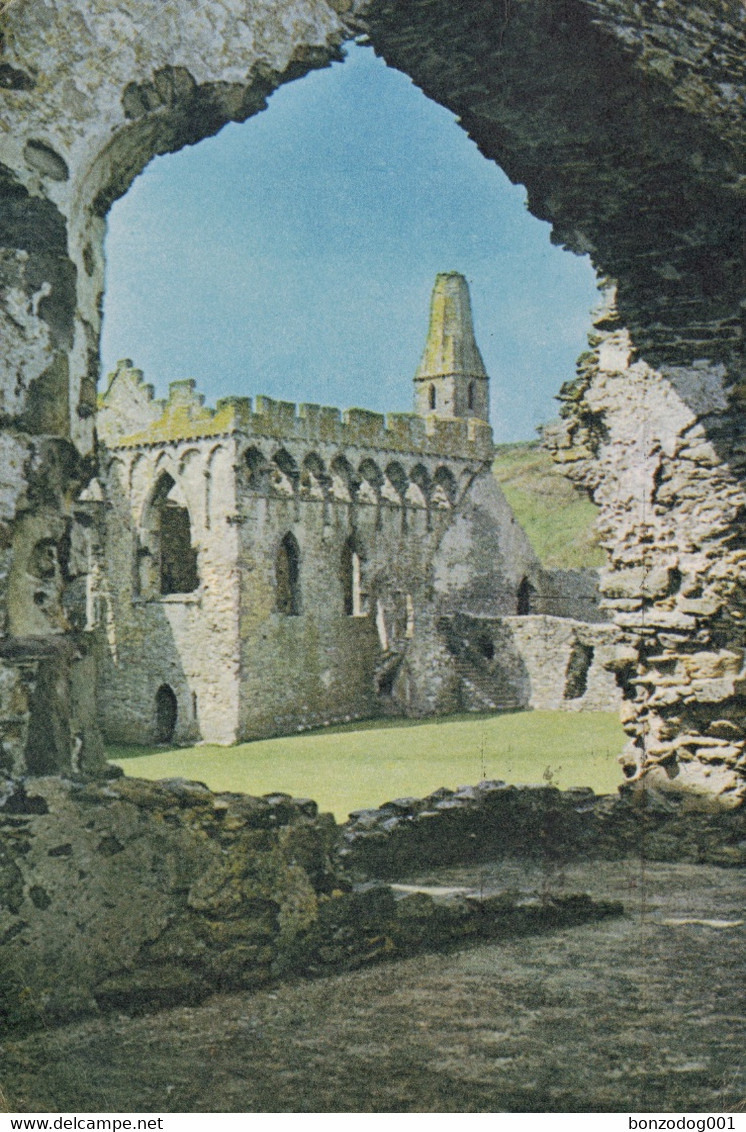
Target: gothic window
{"points": [[470, 395], [168, 559], [431, 397], [355, 600], [178, 556], [287, 577]]}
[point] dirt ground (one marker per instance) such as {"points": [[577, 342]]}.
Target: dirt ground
{"points": [[643, 1013]]}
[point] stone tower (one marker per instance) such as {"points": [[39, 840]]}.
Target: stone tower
{"points": [[451, 380]]}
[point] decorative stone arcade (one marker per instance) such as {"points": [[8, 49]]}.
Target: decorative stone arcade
{"points": [[625, 122]]}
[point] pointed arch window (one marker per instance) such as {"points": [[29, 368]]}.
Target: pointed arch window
{"points": [[287, 576], [431, 397], [355, 600], [167, 543]]}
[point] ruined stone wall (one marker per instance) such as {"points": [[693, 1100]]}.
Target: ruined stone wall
{"points": [[569, 665], [660, 448], [527, 662], [135, 896], [494, 820], [186, 641]]}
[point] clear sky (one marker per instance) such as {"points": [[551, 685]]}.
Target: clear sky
{"points": [[294, 255]]}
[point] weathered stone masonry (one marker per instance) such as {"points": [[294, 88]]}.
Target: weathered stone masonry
{"points": [[624, 121], [260, 571]]}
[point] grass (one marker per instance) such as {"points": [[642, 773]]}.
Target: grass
{"points": [[557, 519], [363, 765]]}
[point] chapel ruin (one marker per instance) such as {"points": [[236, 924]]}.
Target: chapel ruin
{"points": [[258, 570]]}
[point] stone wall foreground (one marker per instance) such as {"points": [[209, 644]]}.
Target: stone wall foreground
{"points": [[130, 896]]}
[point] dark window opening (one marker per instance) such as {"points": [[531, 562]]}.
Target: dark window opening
{"points": [[470, 395], [178, 556], [166, 713], [386, 683], [431, 398], [486, 646], [525, 598], [576, 673], [287, 577]]}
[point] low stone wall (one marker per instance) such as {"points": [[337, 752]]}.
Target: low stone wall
{"points": [[132, 895], [493, 820], [529, 661], [565, 662]]}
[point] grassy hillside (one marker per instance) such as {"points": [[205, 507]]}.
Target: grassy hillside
{"points": [[556, 517], [366, 764]]}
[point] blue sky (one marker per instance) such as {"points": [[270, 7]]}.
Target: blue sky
{"points": [[294, 255]]}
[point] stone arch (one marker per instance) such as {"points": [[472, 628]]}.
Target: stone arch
{"points": [[418, 492], [525, 598], [396, 483], [136, 463], [217, 473], [655, 199], [186, 457], [444, 487], [343, 479], [284, 474], [313, 476], [256, 468], [166, 713], [287, 576], [370, 480]]}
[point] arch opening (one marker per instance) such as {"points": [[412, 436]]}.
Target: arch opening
{"points": [[166, 714], [167, 553]]}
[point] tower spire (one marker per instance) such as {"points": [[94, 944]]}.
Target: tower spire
{"points": [[451, 380]]}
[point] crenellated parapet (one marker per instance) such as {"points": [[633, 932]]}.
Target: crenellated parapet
{"points": [[131, 417]]}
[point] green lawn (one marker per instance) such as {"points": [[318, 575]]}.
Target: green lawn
{"points": [[361, 765]]}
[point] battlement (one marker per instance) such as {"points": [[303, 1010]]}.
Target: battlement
{"points": [[183, 415]]}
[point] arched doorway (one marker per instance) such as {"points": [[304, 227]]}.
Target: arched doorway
{"points": [[166, 714]]}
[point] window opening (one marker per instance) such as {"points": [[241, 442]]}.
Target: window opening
{"points": [[431, 396], [354, 598], [525, 598], [287, 576], [166, 714], [576, 673], [178, 556]]}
